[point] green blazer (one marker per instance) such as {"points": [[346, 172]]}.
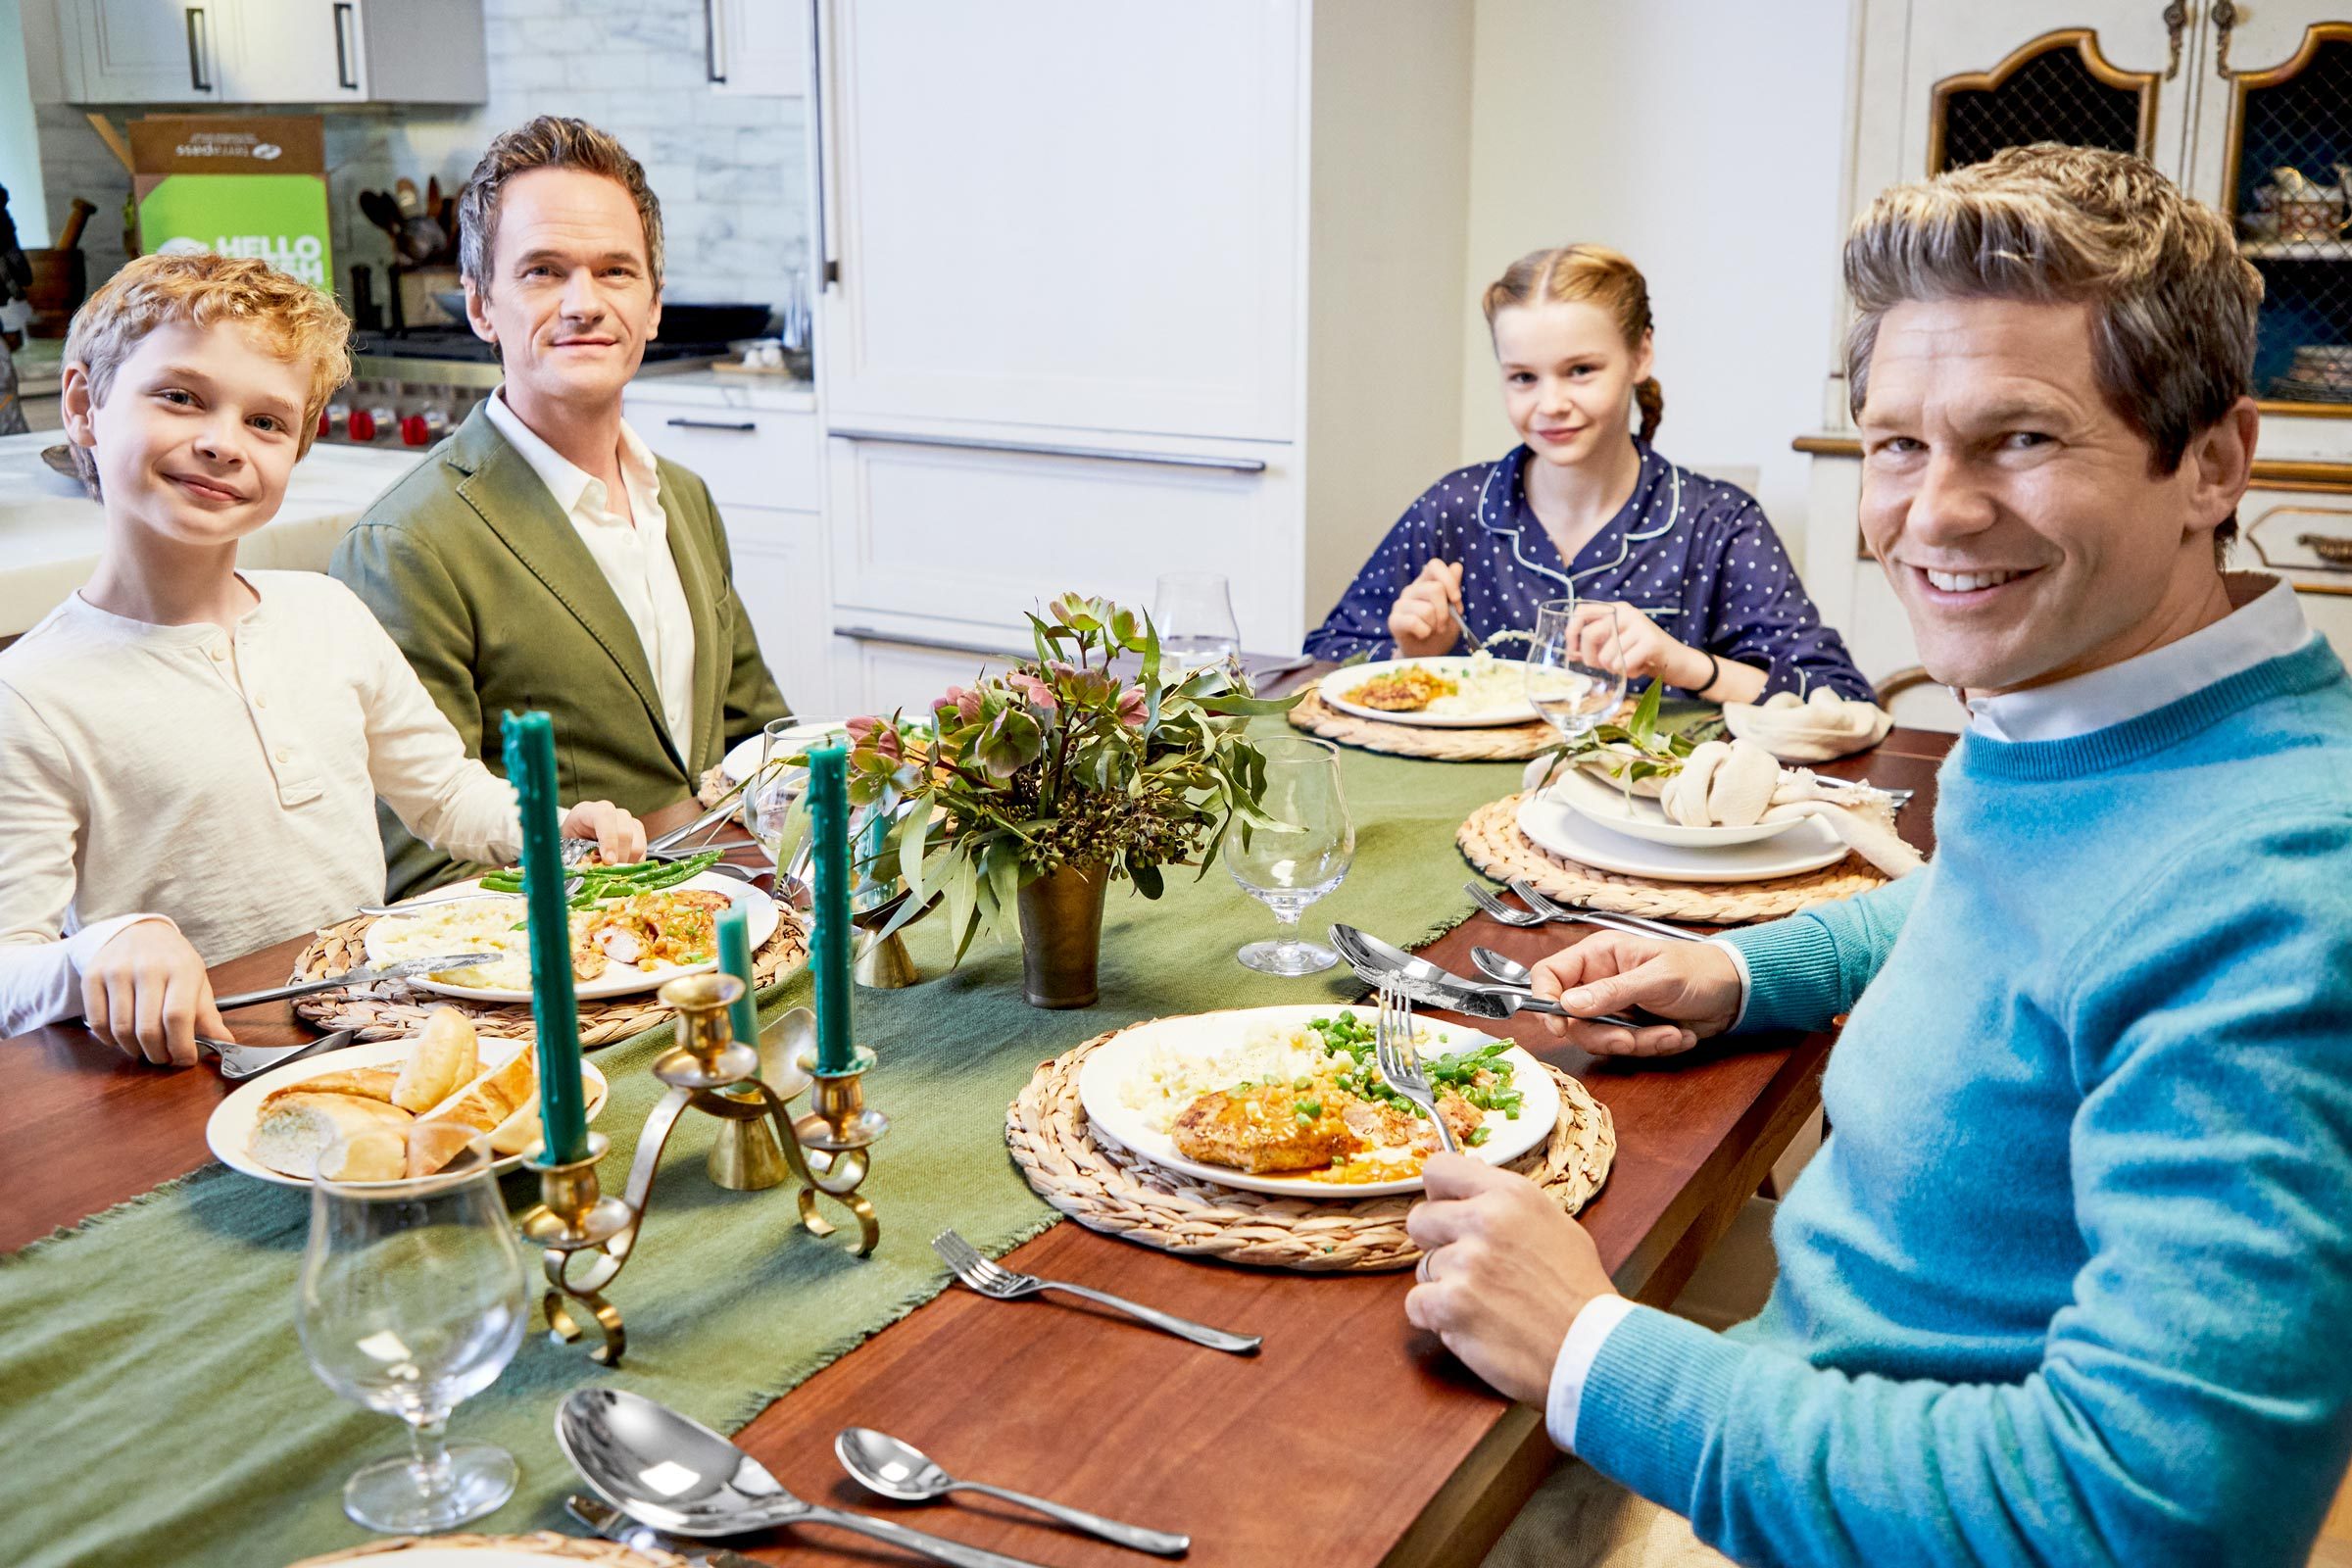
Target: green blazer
{"points": [[490, 592]]}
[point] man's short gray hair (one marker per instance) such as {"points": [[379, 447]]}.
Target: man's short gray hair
{"points": [[550, 141], [2173, 303]]}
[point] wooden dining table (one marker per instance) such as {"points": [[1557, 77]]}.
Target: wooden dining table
{"points": [[1351, 1439]]}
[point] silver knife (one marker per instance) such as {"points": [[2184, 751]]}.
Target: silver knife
{"points": [[1375, 961], [356, 977], [613, 1524]]}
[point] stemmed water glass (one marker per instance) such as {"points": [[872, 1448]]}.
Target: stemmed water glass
{"points": [[1306, 855], [412, 1300], [775, 799], [1192, 613], [1575, 674]]}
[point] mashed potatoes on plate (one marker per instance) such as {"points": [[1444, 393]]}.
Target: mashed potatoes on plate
{"points": [[469, 925]]}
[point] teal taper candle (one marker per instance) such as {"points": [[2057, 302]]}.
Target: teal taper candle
{"points": [[829, 948], [735, 957], [554, 1011]]}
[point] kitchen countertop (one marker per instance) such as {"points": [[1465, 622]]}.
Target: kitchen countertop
{"points": [[722, 389], [50, 532]]}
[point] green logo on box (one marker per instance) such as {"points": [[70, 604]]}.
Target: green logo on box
{"points": [[278, 219]]}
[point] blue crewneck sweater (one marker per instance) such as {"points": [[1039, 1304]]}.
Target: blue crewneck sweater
{"points": [[2071, 1281]]}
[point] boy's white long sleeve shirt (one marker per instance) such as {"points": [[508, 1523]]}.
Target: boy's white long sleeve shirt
{"points": [[224, 781]]}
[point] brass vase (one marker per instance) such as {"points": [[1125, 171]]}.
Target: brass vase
{"points": [[1062, 936]]}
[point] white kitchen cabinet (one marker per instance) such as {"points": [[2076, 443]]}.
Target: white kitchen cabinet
{"points": [[266, 51], [1117, 290], [144, 51], [881, 672], [781, 575], [756, 47]]}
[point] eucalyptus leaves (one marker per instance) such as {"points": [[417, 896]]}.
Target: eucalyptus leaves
{"points": [[1090, 756]]}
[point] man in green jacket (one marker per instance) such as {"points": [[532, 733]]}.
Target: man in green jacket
{"points": [[542, 556]]}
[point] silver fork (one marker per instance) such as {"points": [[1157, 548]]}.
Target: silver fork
{"points": [[1607, 921], [247, 1061], [1553, 909], [1400, 1064], [964, 1260]]}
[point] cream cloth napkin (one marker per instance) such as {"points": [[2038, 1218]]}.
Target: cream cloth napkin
{"points": [[1865, 823], [1811, 729]]}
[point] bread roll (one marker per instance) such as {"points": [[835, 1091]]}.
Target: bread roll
{"points": [[442, 1060], [521, 1133], [297, 1126], [481, 1108], [364, 1083]]}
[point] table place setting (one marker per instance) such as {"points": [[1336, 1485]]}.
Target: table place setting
{"points": [[1253, 1113]]}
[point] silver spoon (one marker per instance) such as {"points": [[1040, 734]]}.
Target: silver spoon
{"points": [[676, 1473], [882, 1463], [1494, 966]]}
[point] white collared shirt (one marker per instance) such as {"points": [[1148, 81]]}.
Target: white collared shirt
{"points": [[2263, 626], [2269, 625], [632, 552]]}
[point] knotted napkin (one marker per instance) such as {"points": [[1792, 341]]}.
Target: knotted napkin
{"points": [[1812, 729]]}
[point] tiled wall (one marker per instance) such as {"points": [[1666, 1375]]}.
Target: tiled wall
{"points": [[728, 168]]}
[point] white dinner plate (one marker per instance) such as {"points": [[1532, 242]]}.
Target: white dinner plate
{"points": [[743, 755], [1641, 816], [1119, 1062], [230, 1128], [516, 1552], [1336, 686], [1552, 825], [618, 980]]}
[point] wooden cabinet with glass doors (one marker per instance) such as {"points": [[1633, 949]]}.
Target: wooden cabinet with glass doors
{"points": [[2249, 107]]}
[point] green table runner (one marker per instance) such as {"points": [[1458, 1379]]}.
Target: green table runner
{"points": [[154, 1406]]}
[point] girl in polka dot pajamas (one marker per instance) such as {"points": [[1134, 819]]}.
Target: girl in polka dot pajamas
{"points": [[1700, 592]]}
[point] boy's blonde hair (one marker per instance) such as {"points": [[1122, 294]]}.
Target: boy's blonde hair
{"points": [[1598, 276], [288, 317]]}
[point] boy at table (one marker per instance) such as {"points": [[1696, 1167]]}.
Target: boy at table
{"points": [[2067, 1282], [190, 754]]}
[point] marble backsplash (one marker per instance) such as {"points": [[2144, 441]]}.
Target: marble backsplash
{"points": [[728, 168]]}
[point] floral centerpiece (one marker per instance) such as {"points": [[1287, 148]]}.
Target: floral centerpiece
{"points": [[1037, 787]]}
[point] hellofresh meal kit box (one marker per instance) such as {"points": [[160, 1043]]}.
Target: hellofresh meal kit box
{"points": [[237, 185]]}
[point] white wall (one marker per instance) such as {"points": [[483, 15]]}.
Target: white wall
{"points": [[20, 147], [1706, 139]]}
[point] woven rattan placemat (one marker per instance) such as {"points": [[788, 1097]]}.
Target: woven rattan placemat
{"points": [[1491, 840], [1509, 743], [394, 1008], [1104, 1188], [543, 1543]]}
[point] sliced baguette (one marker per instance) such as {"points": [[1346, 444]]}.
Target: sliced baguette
{"points": [[362, 1083], [489, 1100], [297, 1126], [444, 1058]]}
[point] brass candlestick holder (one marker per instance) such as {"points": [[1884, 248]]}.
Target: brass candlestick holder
{"points": [[708, 1070]]}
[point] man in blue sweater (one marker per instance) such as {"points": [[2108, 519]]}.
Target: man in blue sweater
{"points": [[2071, 1281]]}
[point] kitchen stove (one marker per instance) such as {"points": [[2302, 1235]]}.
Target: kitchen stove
{"points": [[413, 388]]}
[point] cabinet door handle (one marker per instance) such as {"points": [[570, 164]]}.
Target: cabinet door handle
{"points": [[343, 50], [2176, 21], [2224, 20], [741, 426], [198, 77], [714, 46], [937, 645], [1047, 449]]}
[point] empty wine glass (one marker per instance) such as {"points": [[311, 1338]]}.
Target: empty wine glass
{"points": [[412, 1300], [1193, 612], [1291, 866], [1575, 674], [775, 799]]}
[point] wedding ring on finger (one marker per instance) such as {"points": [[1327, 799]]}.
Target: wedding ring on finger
{"points": [[1421, 1269]]}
